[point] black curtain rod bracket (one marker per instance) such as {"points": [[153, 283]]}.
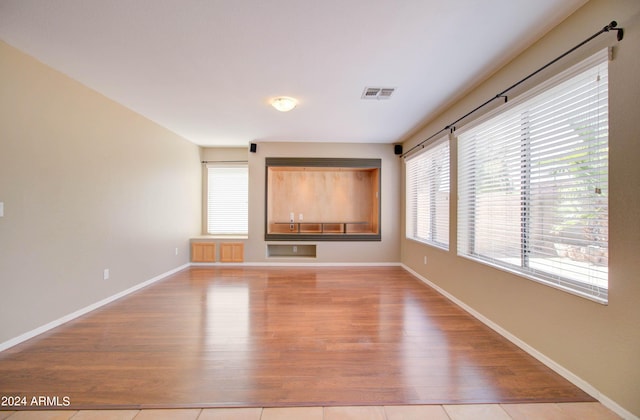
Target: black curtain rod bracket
{"points": [[613, 26]]}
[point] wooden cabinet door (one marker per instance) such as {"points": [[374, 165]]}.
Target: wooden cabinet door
{"points": [[231, 252], [203, 251]]}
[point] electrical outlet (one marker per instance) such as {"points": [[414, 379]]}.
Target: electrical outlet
{"points": [[105, 274], [295, 248], [176, 251], [300, 217], [425, 259]]}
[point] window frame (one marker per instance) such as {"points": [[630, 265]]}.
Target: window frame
{"points": [[243, 208], [428, 156], [586, 289]]}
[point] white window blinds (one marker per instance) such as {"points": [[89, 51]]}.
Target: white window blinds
{"points": [[427, 186], [533, 184], [228, 199]]}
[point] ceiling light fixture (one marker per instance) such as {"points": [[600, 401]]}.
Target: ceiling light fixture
{"points": [[284, 103]]}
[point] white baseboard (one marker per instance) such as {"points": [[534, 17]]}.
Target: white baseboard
{"points": [[550, 363], [616, 408], [30, 334], [298, 264]]}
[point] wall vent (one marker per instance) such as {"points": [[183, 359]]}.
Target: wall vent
{"points": [[377, 92]]}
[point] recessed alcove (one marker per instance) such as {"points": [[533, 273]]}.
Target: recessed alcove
{"points": [[322, 199], [291, 250]]}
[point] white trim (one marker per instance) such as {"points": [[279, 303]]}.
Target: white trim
{"points": [[298, 264], [616, 408], [53, 324], [550, 363]]}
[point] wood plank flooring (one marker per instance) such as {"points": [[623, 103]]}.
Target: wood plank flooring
{"points": [[277, 337]]}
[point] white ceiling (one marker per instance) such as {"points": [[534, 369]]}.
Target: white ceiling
{"points": [[206, 69]]}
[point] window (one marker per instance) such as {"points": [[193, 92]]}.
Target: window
{"points": [[427, 180], [227, 199], [533, 183]]}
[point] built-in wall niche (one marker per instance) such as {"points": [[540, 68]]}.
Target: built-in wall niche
{"points": [[322, 199]]}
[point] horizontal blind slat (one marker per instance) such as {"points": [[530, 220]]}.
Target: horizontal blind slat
{"points": [[428, 183], [227, 199], [533, 184]]}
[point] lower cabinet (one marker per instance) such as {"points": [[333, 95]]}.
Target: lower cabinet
{"points": [[231, 252], [203, 251]]}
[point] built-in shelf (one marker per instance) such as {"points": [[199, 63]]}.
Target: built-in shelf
{"points": [[291, 250], [320, 227], [322, 199]]}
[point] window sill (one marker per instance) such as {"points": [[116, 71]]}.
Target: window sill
{"points": [[602, 300], [431, 244], [236, 237]]}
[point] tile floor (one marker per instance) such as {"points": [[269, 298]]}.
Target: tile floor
{"points": [[545, 411]]}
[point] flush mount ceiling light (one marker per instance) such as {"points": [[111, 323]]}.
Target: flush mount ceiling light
{"points": [[284, 103]]}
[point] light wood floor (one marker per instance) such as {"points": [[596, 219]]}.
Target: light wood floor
{"points": [[279, 337]]}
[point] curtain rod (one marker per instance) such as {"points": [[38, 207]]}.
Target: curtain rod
{"points": [[610, 27], [225, 161]]}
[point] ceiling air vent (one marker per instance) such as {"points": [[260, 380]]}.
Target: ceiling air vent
{"points": [[377, 93]]}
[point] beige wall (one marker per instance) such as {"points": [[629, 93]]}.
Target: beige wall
{"points": [[600, 344], [87, 185], [385, 251]]}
